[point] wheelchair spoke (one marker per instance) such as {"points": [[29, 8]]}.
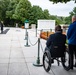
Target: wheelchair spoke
{"points": [[66, 59], [46, 62]]}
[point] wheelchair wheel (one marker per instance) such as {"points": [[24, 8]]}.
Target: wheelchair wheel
{"points": [[65, 61], [47, 61]]}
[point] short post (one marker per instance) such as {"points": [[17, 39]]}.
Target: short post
{"points": [[38, 57], [41, 30], [27, 41], [51, 30]]}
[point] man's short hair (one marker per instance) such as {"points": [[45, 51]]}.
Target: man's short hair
{"points": [[74, 16], [58, 28]]}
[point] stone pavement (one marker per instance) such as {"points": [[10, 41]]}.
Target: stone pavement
{"points": [[16, 59]]}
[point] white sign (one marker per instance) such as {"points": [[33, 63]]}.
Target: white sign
{"points": [[26, 25], [46, 24]]}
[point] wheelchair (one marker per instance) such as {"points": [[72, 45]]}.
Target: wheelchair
{"points": [[58, 53]]}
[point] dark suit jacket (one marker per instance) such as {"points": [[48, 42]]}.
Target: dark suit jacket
{"points": [[56, 39]]}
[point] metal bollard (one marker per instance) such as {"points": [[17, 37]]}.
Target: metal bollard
{"points": [[38, 57]]}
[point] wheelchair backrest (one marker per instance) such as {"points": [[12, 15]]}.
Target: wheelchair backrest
{"points": [[57, 47]]}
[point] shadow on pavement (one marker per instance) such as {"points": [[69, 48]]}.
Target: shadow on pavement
{"points": [[5, 31]]}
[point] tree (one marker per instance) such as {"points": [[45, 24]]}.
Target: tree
{"points": [[22, 11], [3, 7], [68, 19], [35, 14], [10, 11], [46, 14], [73, 12], [58, 20], [57, 1], [11, 8]]}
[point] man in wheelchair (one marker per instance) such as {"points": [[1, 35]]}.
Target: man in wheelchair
{"points": [[56, 43]]}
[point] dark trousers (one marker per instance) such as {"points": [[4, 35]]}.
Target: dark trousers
{"points": [[72, 53], [1, 31]]}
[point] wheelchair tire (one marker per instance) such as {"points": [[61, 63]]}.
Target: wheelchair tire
{"points": [[47, 61], [65, 61]]}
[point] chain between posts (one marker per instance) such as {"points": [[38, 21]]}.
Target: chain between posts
{"points": [[31, 43], [36, 43]]}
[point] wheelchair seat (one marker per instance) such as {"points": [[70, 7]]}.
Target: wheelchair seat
{"points": [[57, 50]]}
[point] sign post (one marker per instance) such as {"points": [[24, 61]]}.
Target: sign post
{"points": [[26, 23], [26, 33]]}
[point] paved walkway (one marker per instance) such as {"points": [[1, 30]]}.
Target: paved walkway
{"points": [[16, 59]]}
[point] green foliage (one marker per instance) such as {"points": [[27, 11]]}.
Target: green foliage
{"points": [[22, 10], [68, 19], [11, 8], [3, 8], [73, 12], [35, 14], [12, 11], [46, 14], [57, 1], [59, 20]]}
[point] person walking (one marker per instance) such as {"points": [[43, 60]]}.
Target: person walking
{"points": [[1, 26], [71, 36]]}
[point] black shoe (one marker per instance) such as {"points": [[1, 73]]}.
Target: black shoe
{"points": [[52, 60], [71, 68], [75, 65]]}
